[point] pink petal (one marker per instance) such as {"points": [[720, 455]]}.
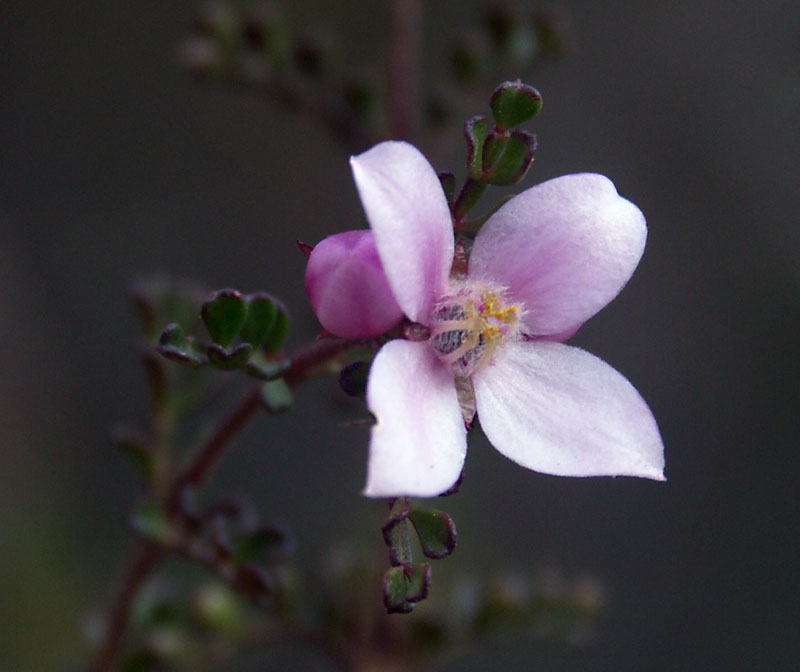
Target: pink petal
{"points": [[564, 248], [560, 410], [408, 212], [348, 288], [418, 445]]}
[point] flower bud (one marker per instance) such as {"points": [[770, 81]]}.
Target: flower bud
{"points": [[348, 287]]}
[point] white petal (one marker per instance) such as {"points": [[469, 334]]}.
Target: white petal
{"points": [[418, 444], [560, 410], [408, 212], [564, 248]]}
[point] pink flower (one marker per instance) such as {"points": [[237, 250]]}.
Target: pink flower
{"points": [[348, 288], [540, 267]]}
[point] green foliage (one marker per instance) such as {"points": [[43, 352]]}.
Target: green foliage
{"points": [[276, 395], [514, 159], [224, 315], [475, 131], [436, 531], [514, 103]]}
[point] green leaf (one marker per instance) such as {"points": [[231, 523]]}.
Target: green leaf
{"points": [[418, 578], [224, 315], [276, 395], [261, 315], [493, 149], [173, 336], [516, 159], [395, 532], [235, 358], [513, 103], [436, 531], [150, 522], [174, 345], [475, 131], [395, 587], [279, 330]]}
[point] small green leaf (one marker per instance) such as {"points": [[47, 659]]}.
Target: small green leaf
{"points": [[475, 131], [224, 315], [174, 345], [261, 315], [279, 330], [173, 336], [227, 360], [493, 149], [276, 395], [395, 586], [418, 579], [150, 522], [516, 159], [513, 103], [436, 531], [395, 532]]}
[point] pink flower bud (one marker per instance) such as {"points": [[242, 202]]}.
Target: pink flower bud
{"points": [[348, 288]]}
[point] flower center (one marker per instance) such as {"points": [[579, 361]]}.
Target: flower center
{"points": [[470, 323]]}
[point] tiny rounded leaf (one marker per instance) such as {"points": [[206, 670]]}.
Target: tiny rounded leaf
{"points": [[278, 331], [261, 316], [436, 531], [224, 315], [418, 577], [395, 586], [517, 156], [513, 103], [475, 131], [276, 395]]}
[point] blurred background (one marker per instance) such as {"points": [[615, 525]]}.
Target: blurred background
{"points": [[116, 163]]}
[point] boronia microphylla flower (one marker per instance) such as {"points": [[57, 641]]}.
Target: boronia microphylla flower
{"points": [[541, 266]]}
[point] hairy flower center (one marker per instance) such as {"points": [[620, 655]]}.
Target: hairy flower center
{"points": [[468, 325]]}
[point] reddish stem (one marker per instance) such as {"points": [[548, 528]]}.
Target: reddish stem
{"points": [[144, 562], [196, 474]]}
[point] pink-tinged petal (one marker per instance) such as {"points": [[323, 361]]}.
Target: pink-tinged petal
{"points": [[408, 212], [348, 288], [418, 444], [560, 410], [561, 336], [564, 248]]}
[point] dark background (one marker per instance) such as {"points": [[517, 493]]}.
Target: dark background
{"points": [[114, 163]]}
